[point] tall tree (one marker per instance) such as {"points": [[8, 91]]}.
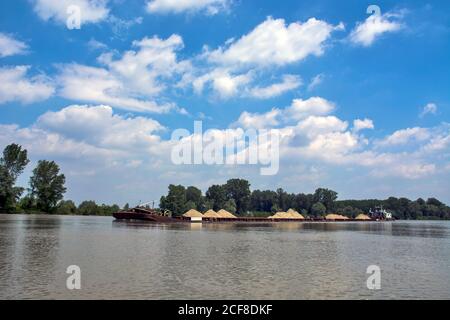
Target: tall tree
{"points": [[318, 209], [175, 201], [47, 185], [326, 197], [195, 195], [12, 164], [239, 191], [218, 196]]}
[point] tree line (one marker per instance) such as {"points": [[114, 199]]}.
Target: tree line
{"points": [[236, 197], [46, 188]]}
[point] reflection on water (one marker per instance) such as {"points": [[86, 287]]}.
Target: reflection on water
{"points": [[129, 260]]}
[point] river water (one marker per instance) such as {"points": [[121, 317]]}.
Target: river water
{"points": [[120, 260]]}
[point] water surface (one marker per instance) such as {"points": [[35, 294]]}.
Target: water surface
{"points": [[121, 260]]}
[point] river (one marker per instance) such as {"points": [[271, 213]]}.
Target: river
{"points": [[132, 260]]}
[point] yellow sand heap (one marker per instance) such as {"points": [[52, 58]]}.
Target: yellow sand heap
{"points": [[291, 214], [295, 215], [193, 214], [336, 217], [363, 217], [225, 214], [210, 214]]}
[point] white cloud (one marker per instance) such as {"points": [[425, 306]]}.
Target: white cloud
{"points": [[259, 121], [301, 109], [222, 82], [97, 85], [406, 170], [154, 59], [211, 7], [96, 45], [234, 68], [92, 11], [367, 32], [289, 82], [135, 81], [275, 43], [316, 81], [405, 136], [359, 124], [16, 86], [298, 110], [430, 108], [100, 127], [10, 46]]}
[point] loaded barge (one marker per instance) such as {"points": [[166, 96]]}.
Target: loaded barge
{"points": [[155, 216]]}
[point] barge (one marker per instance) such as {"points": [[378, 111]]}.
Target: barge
{"points": [[155, 216]]}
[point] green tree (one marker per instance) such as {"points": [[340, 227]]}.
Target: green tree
{"points": [[327, 197], [190, 205], [47, 185], [239, 191], [195, 195], [66, 207], [318, 209], [12, 164], [218, 196], [175, 201], [230, 206], [88, 208]]}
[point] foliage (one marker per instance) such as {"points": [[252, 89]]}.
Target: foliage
{"points": [[318, 209], [12, 164], [47, 185]]}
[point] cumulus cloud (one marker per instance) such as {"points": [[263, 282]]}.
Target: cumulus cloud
{"points": [[288, 83], [275, 43], [97, 85], [259, 120], [92, 11], [405, 136], [298, 110], [359, 124], [235, 68], [16, 86], [311, 133], [133, 81], [10, 46], [365, 33], [100, 127], [301, 109], [430, 108], [210, 7]]}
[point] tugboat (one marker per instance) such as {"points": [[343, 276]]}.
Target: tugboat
{"points": [[380, 214], [144, 213]]}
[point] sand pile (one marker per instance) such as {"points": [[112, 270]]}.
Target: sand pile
{"points": [[193, 214], [336, 217], [363, 217], [225, 214], [210, 214], [295, 215], [291, 214]]}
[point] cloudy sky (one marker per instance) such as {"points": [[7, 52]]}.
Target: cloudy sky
{"points": [[362, 99]]}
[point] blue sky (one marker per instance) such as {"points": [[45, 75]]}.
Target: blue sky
{"points": [[368, 95]]}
